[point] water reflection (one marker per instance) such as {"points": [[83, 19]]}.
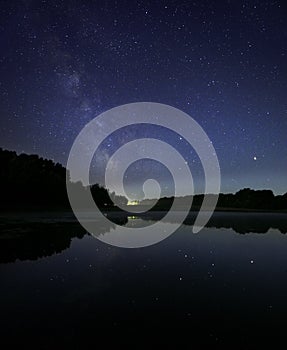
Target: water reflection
{"points": [[212, 285], [30, 241], [240, 222], [34, 236], [31, 237]]}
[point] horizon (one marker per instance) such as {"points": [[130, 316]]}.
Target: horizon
{"points": [[194, 194]]}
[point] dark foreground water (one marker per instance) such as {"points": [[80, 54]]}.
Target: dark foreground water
{"points": [[62, 288]]}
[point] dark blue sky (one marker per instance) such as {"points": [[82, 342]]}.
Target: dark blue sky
{"points": [[223, 62]]}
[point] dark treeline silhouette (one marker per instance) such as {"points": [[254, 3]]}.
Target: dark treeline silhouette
{"points": [[28, 181], [245, 199]]}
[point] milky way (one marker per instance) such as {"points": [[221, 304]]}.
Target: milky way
{"points": [[224, 63]]}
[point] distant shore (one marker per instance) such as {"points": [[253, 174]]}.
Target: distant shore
{"points": [[113, 209]]}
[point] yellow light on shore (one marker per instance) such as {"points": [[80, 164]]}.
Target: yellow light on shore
{"points": [[133, 202]]}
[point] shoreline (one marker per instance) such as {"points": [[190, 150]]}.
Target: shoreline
{"points": [[127, 212]]}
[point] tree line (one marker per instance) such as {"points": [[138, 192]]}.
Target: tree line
{"points": [[245, 199], [29, 181]]}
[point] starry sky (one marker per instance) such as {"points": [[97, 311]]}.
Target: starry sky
{"points": [[223, 62]]}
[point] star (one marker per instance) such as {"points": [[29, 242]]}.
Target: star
{"points": [[59, 74]]}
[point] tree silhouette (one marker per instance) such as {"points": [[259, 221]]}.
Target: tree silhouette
{"points": [[30, 181]]}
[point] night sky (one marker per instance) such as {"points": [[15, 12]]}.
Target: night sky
{"points": [[223, 62]]}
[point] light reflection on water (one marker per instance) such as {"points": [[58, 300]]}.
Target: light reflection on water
{"points": [[218, 280]]}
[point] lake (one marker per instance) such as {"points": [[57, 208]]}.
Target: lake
{"points": [[226, 285]]}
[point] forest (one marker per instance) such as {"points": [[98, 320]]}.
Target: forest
{"points": [[31, 182]]}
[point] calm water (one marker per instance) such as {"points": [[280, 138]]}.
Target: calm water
{"points": [[59, 284]]}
